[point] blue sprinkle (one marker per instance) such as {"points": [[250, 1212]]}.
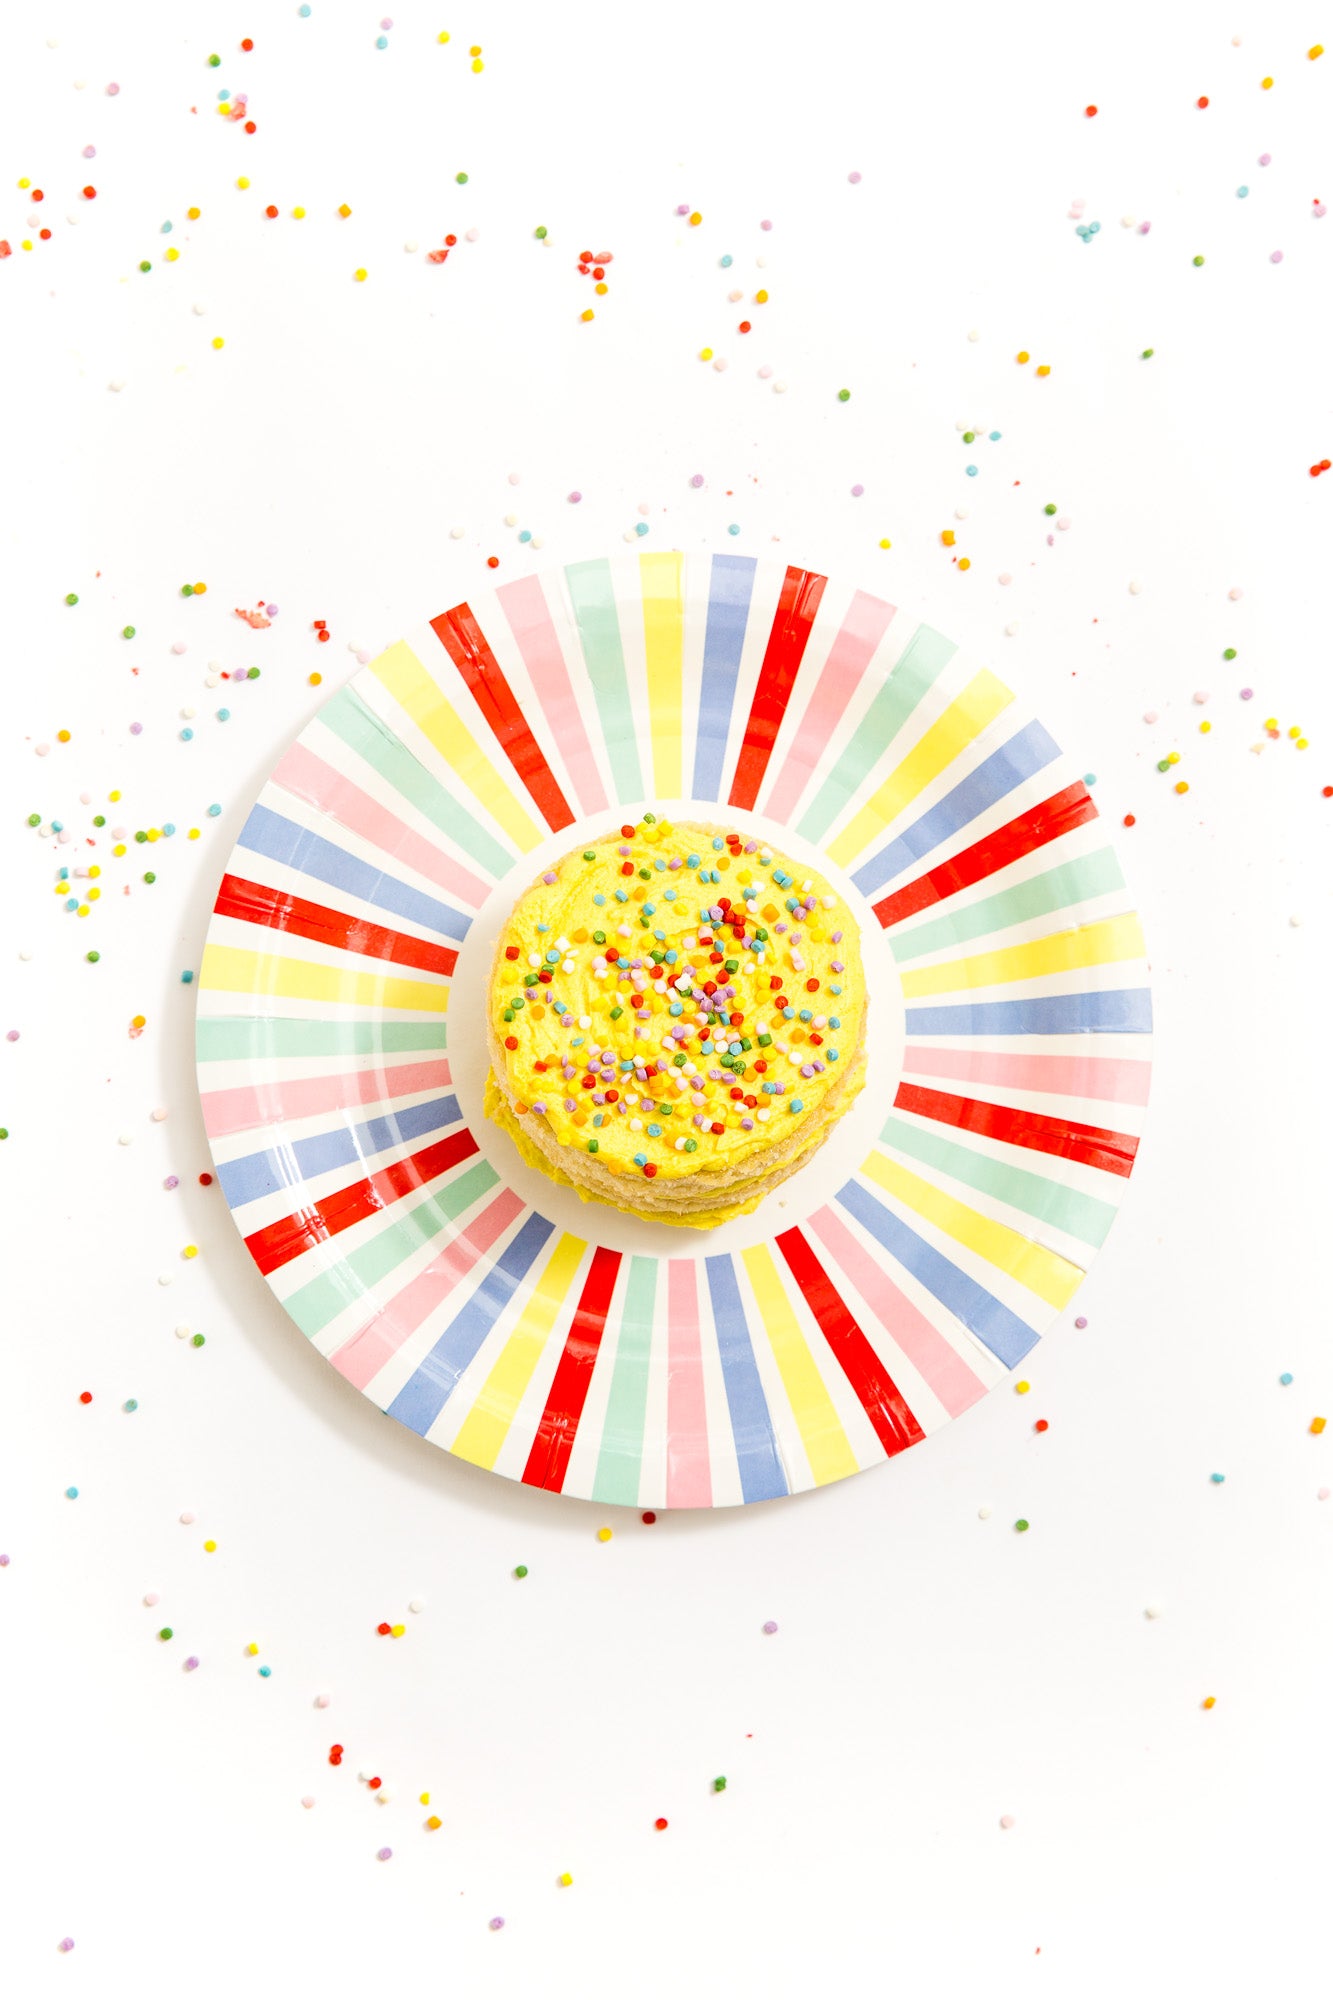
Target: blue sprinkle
{"points": [[381, 41], [166, 229], [264, 1672], [734, 529], [640, 1159], [525, 534], [971, 471], [832, 1054], [1285, 1380], [187, 736], [223, 95], [796, 1105], [833, 1021], [71, 1492], [599, 899], [726, 262], [214, 811], [640, 527], [304, 11], [995, 437], [806, 1015], [1089, 779], [1241, 193], [654, 1131], [224, 715], [1218, 1478], [187, 979], [168, 828]]}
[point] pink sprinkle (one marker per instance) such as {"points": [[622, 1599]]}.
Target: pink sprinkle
{"points": [[497, 1923], [1144, 227], [765, 225], [113, 90], [1264, 159], [171, 1181], [66, 1944], [191, 1663], [1276, 257], [322, 1700], [857, 491], [90, 152], [682, 208], [1320, 208], [136, 729], [151, 1597], [1150, 715], [1006, 1821], [1235, 592], [853, 178], [385, 1854], [697, 479], [575, 498], [13, 1035], [178, 645], [1080, 1324], [1200, 696], [1247, 694], [770, 1625], [307, 1801], [1322, 1494]]}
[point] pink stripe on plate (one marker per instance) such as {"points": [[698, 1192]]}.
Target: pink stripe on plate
{"points": [[868, 619], [524, 605], [942, 1369], [689, 1476], [365, 1352], [1123, 1082], [308, 777], [240, 1110]]}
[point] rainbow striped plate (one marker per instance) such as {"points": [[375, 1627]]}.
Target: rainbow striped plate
{"points": [[889, 1283]]}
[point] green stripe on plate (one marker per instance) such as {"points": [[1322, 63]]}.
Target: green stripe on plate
{"points": [[252, 1038], [593, 596], [1074, 882], [1081, 1216], [621, 1459], [924, 659]]}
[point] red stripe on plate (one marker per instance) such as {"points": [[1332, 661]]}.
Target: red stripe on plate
{"points": [[465, 643], [549, 1456], [1091, 1145], [787, 639], [876, 1390], [281, 1241], [256, 903], [1044, 823]]}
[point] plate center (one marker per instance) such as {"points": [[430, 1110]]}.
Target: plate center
{"points": [[805, 1190]]}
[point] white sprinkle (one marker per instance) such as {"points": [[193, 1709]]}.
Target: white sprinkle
{"points": [[1235, 592], [307, 1802], [410, 245], [779, 388], [511, 520], [1004, 577], [1135, 587], [984, 1511], [416, 1604], [1152, 1610], [199, 308], [974, 333], [188, 1518], [457, 534], [1200, 696], [1295, 922], [1011, 628], [151, 1597], [182, 1331], [125, 1139], [117, 383]]}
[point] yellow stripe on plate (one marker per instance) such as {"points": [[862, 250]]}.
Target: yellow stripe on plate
{"points": [[961, 723], [228, 970], [664, 640], [826, 1444], [486, 1425], [1085, 945], [1052, 1278], [401, 672]]}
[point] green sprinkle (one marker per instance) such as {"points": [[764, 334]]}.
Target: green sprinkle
{"points": [[166, 1633], [99, 819], [599, 937], [1230, 653], [127, 632], [145, 266], [691, 1145], [150, 877], [461, 179], [1049, 508], [969, 437], [187, 590], [197, 1340], [765, 1041], [1020, 1527], [590, 854], [1146, 354], [1197, 262], [720, 1784], [616, 1013], [252, 674], [34, 819], [72, 598], [844, 395], [213, 61], [540, 232], [130, 1407], [93, 957], [593, 1146], [522, 1569]]}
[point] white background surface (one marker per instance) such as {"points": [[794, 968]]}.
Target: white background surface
{"points": [[932, 1671]]}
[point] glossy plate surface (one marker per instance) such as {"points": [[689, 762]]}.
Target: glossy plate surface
{"points": [[886, 1286]]}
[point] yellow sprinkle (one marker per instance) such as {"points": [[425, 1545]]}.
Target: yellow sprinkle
{"points": [[94, 870], [190, 1250], [1317, 1425], [1181, 785], [113, 798], [359, 276], [444, 35], [26, 244], [218, 341], [434, 1824], [475, 50], [565, 1881], [964, 562], [193, 214], [154, 833], [705, 353], [25, 182], [599, 288], [603, 1534], [84, 910], [210, 1548], [62, 736], [344, 210], [315, 680], [1210, 1701], [243, 182], [193, 834], [139, 1021], [1315, 53], [1173, 757], [1293, 733], [1271, 722], [118, 850], [1045, 368], [1267, 83], [1302, 743], [1205, 728], [1021, 1388], [93, 895], [252, 1649], [477, 68], [171, 256], [425, 1799], [886, 543], [397, 1631], [948, 537], [1022, 356], [586, 314]]}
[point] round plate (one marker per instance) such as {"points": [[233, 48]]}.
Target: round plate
{"points": [[889, 1283]]}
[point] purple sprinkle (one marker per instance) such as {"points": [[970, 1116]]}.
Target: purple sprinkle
{"points": [[270, 610], [857, 491], [1247, 694], [1080, 1323], [1144, 227], [549, 876], [1276, 257], [191, 1663], [497, 1923], [836, 965], [4, 1562], [807, 1069], [385, 1854], [836, 938], [1264, 159], [853, 178], [136, 729], [90, 152], [66, 1944], [697, 480], [171, 1181], [682, 208], [574, 497], [747, 1124], [770, 1626]]}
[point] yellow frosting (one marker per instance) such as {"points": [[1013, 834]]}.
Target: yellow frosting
{"points": [[661, 1095]]}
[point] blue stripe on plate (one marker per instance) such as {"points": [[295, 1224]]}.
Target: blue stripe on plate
{"points": [[1124, 1011], [258, 1174], [1007, 1336], [762, 1477], [1030, 751], [420, 1400], [730, 586], [268, 833]]}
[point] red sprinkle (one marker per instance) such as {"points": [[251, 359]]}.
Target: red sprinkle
{"points": [[627, 833], [1129, 819], [247, 45], [649, 1170], [87, 1396], [660, 1824], [1203, 104], [1089, 111], [383, 1631], [511, 952], [1041, 1425], [492, 562], [90, 194]]}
